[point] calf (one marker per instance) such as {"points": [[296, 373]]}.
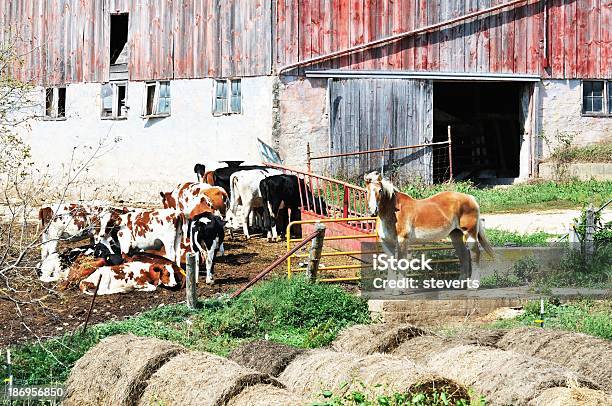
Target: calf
{"points": [[143, 230], [206, 234], [59, 266], [282, 192], [140, 272], [70, 222], [245, 192], [221, 176], [193, 198]]}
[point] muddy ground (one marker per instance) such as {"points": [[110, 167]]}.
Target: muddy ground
{"points": [[52, 312]]}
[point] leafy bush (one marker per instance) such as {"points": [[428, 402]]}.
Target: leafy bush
{"points": [[293, 312], [504, 238], [601, 152]]}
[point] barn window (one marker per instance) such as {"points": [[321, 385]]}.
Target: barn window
{"points": [[157, 100], [593, 97], [228, 97], [55, 103], [114, 96]]}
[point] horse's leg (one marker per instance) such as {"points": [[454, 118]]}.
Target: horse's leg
{"points": [[462, 252]]}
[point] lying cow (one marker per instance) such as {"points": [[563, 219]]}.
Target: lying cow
{"points": [[206, 234], [75, 263], [282, 192], [139, 272], [245, 192], [143, 230], [193, 198], [70, 222]]}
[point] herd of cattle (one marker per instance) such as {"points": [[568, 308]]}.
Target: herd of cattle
{"points": [[141, 249]]}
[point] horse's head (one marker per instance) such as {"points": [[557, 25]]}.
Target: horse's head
{"points": [[374, 187]]}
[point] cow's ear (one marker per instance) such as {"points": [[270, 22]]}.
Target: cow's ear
{"points": [[379, 178], [163, 195], [366, 179]]}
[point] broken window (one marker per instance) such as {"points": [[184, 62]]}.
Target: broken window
{"points": [[157, 101], [55, 103], [228, 97], [593, 97], [113, 97], [118, 51]]}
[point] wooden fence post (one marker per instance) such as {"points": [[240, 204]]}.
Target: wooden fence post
{"points": [[314, 257], [589, 231], [190, 288]]}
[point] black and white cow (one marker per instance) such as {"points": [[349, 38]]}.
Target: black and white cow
{"points": [[206, 235], [282, 192]]}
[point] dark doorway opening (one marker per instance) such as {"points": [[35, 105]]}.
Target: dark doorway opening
{"points": [[486, 129], [118, 38]]}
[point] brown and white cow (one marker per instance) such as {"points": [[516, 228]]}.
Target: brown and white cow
{"points": [[139, 272], [71, 222], [142, 230], [193, 198]]}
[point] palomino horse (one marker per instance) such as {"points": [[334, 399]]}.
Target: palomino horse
{"points": [[405, 220]]}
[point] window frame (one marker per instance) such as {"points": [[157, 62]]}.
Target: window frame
{"points": [[227, 97], [115, 102], [155, 105], [55, 110], [606, 106]]}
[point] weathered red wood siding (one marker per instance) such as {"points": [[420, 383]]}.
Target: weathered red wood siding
{"points": [[64, 41], [510, 40], [67, 41]]}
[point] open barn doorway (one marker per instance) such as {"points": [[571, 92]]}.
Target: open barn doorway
{"points": [[486, 127]]}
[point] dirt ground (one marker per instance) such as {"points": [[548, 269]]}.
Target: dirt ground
{"points": [[55, 312]]}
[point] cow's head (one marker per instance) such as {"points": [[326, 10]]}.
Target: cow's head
{"points": [[168, 200]]}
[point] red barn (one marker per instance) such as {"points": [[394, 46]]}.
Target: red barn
{"points": [[511, 78]]}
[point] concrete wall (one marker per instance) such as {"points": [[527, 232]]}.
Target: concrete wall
{"points": [[142, 156], [560, 114], [303, 118]]}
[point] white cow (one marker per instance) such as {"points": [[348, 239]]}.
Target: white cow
{"points": [[245, 191]]}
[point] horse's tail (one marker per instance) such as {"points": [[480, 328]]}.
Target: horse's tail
{"points": [[484, 242]]}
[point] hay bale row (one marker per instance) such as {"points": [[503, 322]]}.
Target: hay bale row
{"points": [[318, 370], [115, 371], [503, 377], [572, 397], [129, 370], [265, 356], [375, 338], [587, 355]]}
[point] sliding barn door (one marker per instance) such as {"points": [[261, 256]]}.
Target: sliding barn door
{"points": [[372, 113]]}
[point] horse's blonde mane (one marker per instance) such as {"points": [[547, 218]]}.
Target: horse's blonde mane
{"points": [[388, 188]]}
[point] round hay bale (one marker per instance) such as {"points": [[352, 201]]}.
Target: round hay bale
{"points": [[587, 355], [486, 337], [420, 349], [374, 338], [266, 395], [265, 356], [318, 370], [572, 397], [503, 377], [199, 378], [115, 371]]}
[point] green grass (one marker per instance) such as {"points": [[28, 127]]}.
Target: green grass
{"points": [[525, 196], [601, 152], [585, 316], [499, 238], [288, 311]]}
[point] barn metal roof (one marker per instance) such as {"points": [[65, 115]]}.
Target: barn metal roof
{"points": [[462, 76]]}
